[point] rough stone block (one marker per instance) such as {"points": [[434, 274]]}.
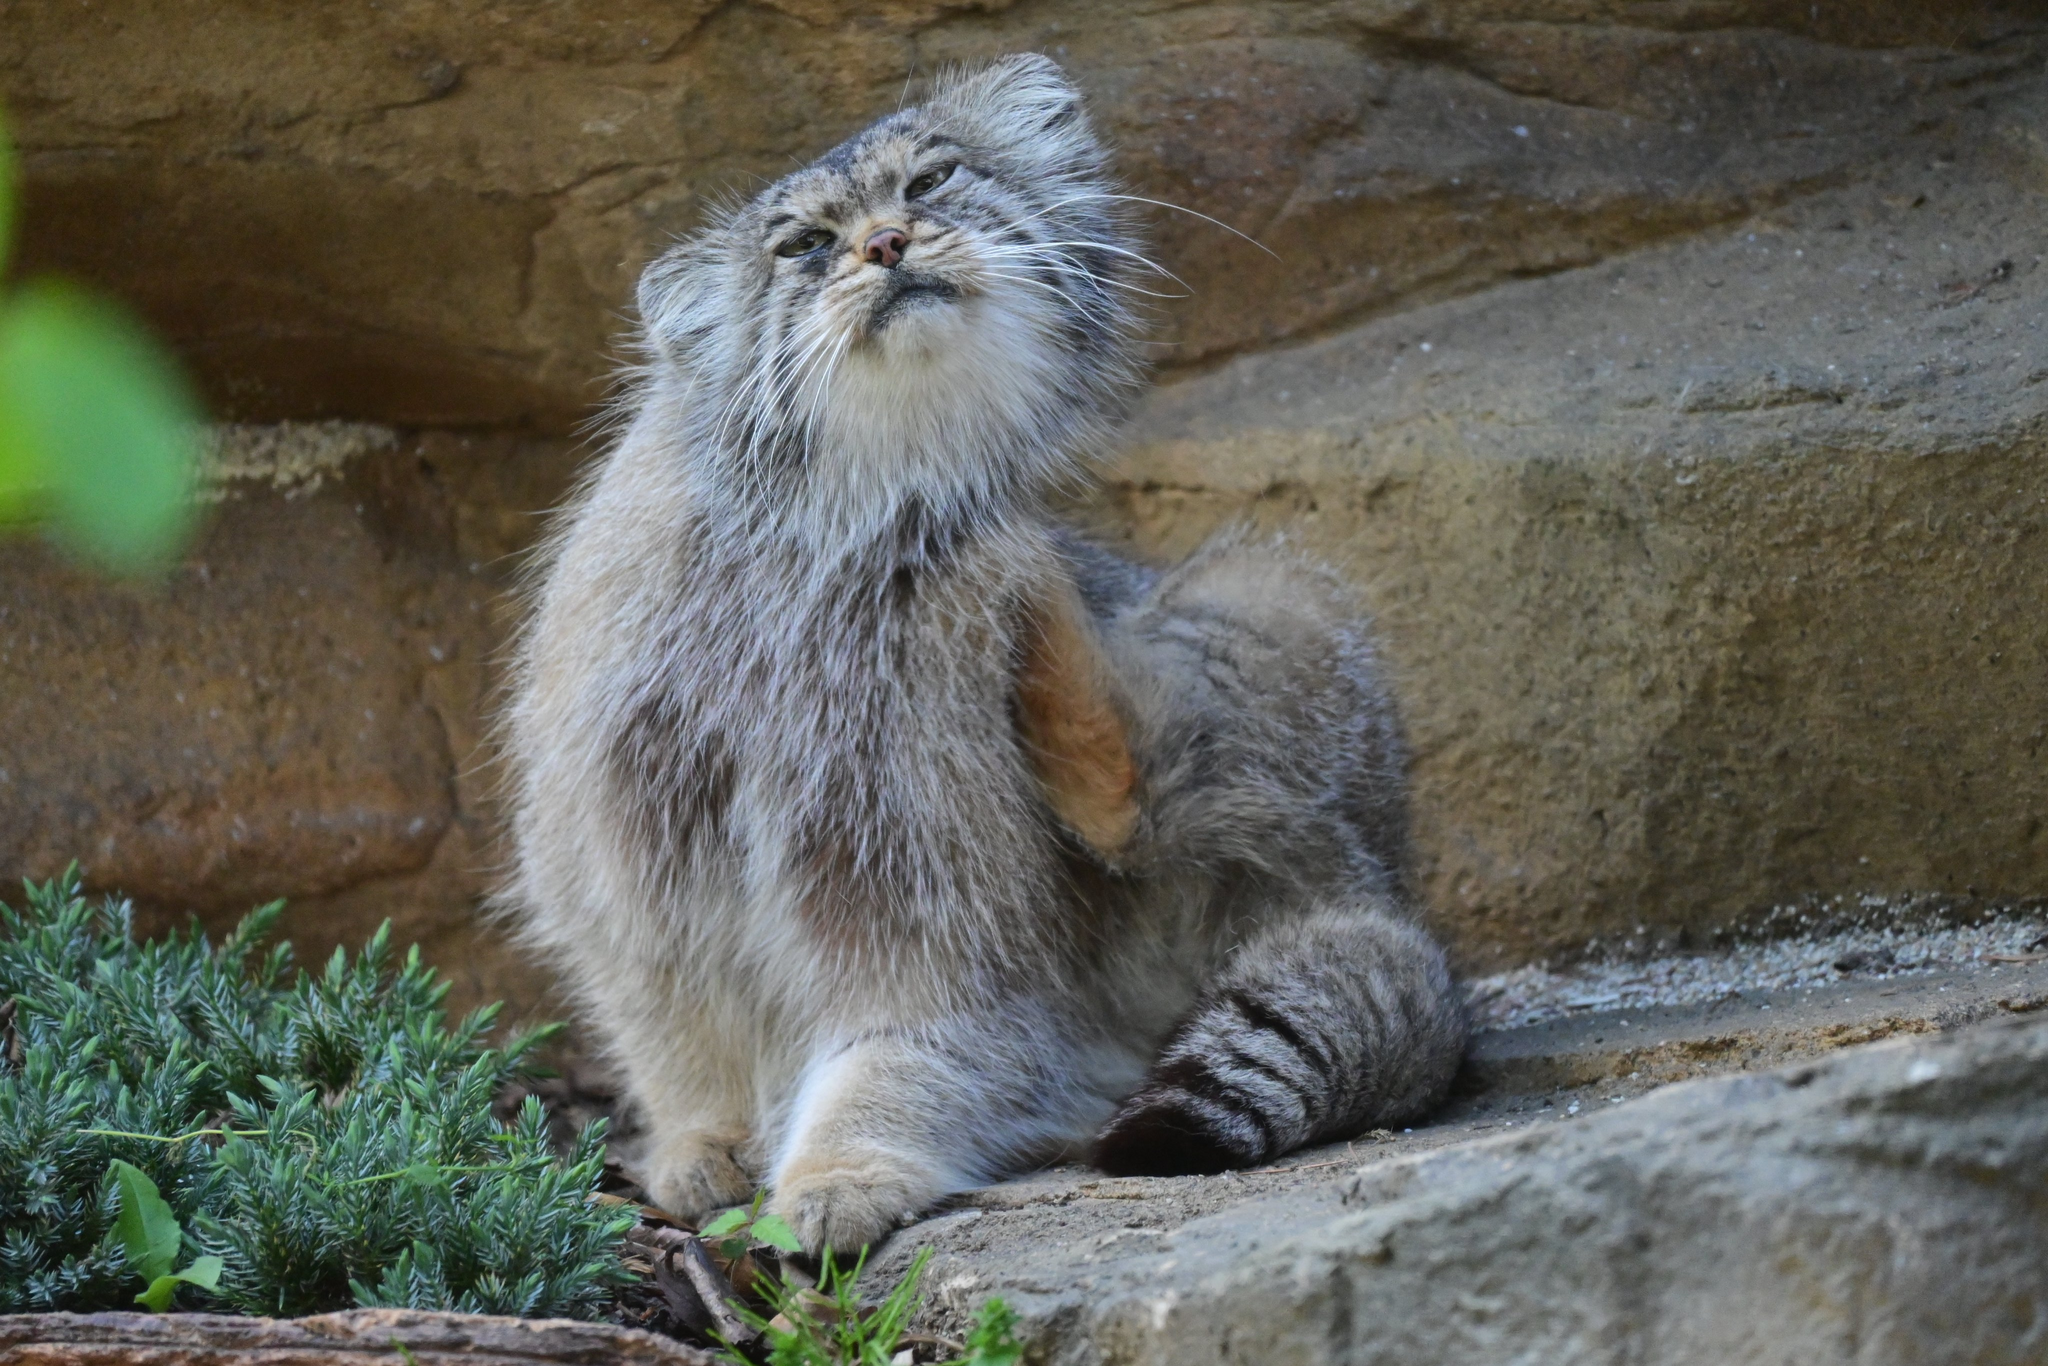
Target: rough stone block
{"points": [[1880, 1206], [431, 214], [296, 711], [1712, 577]]}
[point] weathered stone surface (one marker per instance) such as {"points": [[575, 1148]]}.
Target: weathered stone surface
{"points": [[285, 735], [297, 712], [431, 214], [1631, 1051], [1883, 1205], [1711, 577], [385, 1335]]}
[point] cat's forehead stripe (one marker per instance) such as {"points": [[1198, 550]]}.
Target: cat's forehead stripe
{"points": [[873, 159]]}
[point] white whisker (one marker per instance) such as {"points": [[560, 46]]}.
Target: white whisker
{"points": [[1093, 311], [1113, 249], [1193, 213], [1162, 203], [1017, 253]]}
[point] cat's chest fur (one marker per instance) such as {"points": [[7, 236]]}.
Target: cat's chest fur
{"points": [[837, 738]]}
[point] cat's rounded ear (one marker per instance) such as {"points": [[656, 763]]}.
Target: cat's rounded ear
{"points": [[1013, 97], [678, 295]]}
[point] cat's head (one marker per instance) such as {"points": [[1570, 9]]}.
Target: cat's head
{"points": [[938, 308]]}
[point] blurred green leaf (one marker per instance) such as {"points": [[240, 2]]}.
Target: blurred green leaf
{"points": [[724, 1223], [22, 488], [95, 416]]}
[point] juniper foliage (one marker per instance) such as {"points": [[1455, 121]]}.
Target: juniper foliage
{"points": [[328, 1134]]}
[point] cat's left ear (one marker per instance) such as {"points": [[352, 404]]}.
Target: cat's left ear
{"points": [[1022, 95], [679, 295]]}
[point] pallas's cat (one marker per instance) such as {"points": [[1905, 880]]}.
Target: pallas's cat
{"points": [[891, 836]]}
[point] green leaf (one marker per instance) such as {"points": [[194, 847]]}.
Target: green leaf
{"points": [[773, 1230], [100, 427], [23, 490], [724, 1223], [991, 1341], [204, 1273], [21, 481], [148, 1231]]}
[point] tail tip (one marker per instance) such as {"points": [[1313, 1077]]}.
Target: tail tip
{"points": [[1156, 1137]]}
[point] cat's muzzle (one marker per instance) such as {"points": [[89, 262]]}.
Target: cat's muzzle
{"points": [[908, 290]]}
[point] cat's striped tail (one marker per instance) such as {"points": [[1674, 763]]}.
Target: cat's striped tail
{"points": [[1317, 1029]]}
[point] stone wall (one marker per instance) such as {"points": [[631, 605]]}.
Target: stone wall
{"points": [[1668, 374], [432, 213], [1714, 576], [299, 710]]}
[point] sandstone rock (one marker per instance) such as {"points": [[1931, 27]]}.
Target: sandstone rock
{"points": [[1880, 1206], [1711, 576], [265, 683], [382, 1335], [296, 713], [431, 214]]}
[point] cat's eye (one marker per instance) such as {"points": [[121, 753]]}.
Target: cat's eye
{"points": [[804, 243], [927, 181]]}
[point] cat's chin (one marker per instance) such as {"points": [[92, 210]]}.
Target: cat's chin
{"points": [[922, 328], [910, 299]]}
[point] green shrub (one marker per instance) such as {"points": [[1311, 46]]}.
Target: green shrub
{"points": [[327, 1135]]}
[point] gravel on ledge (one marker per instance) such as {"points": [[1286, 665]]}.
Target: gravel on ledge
{"points": [[1877, 951]]}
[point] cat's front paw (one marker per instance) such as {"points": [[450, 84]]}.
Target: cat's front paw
{"points": [[693, 1172], [844, 1201]]}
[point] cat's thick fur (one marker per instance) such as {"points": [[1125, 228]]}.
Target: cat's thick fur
{"points": [[891, 836]]}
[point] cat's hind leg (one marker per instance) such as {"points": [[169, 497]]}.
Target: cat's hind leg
{"points": [[1319, 1027]]}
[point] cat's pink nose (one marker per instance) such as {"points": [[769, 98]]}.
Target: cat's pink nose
{"points": [[886, 246]]}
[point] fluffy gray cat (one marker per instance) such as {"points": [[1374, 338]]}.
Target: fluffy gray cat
{"points": [[891, 836]]}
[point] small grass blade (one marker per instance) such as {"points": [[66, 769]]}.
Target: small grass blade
{"points": [[992, 1341]]}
